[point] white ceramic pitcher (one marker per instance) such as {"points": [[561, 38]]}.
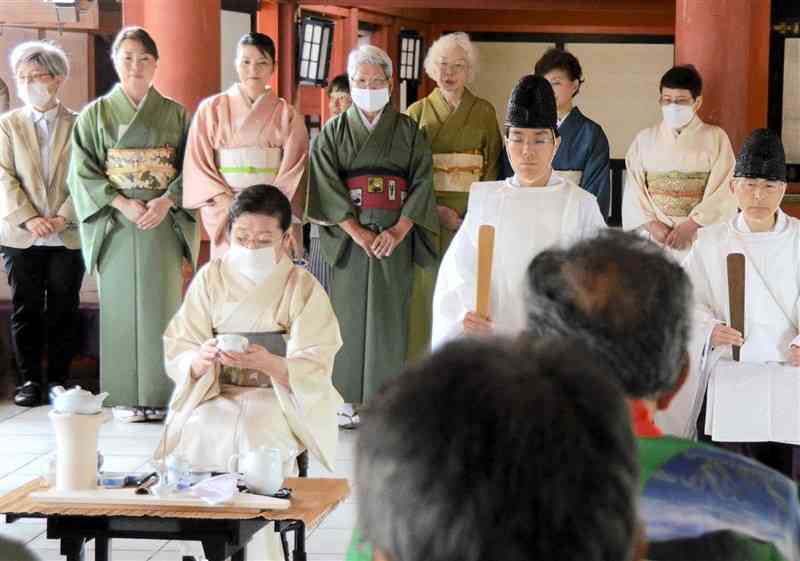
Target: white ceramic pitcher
{"points": [[261, 469], [76, 445]]}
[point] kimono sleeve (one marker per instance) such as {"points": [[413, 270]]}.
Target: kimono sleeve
{"points": [[420, 206], [639, 209], [88, 183], [293, 163], [718, 202], [493, 145], [175, 188], [596, 178], [15, 206], [328, 198], [203, 180]]}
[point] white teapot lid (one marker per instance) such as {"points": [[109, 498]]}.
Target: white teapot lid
{"points": [[77, 400]]}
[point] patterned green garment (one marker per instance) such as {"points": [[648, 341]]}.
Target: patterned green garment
{"points": [[470, 128], [139, 271], [371, 296]]}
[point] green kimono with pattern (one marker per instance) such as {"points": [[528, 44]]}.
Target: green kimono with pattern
{"points": [[371, 296], [139, 271], [470, 128]]}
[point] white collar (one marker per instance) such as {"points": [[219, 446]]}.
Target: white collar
{"points": [[48, 115], [554, 181], [374, 123], [741, 224]]}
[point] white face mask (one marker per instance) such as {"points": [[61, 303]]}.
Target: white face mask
{"points": [[255, 264], [34, 94], [677, 116], [370, 100]]}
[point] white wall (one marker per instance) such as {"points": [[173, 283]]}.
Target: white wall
{"points": [[232, 26]]}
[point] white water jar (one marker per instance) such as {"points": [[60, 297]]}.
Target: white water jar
{"points": [[76, 450]]}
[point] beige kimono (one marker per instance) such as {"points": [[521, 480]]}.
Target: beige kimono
{"points": [[234, 144], [211, 418], [23, 191], [676, 176], [5, 100]]}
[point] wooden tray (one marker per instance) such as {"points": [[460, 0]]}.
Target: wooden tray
{"points": [[128, 497]]}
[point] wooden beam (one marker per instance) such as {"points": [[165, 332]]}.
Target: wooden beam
{"points": [[35, 13], [615, 6], [336, 12]]}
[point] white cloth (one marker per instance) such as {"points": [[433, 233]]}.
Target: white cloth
{"points": [[374, 123], [527, 220], [44, 125], [772, 289]]}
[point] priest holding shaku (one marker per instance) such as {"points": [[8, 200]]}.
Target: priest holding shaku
{"points": [[751, 401], [531, 211]]}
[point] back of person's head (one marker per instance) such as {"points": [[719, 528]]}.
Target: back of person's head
{"points": [[488, 451], [267, 200], [625, 299], [683, 77]]}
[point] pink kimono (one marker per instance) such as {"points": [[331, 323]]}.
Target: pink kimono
{"points": [[233, 144]]}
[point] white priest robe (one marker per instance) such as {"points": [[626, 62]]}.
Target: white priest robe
{"points": [[210, 420], [527, 220], [772, 292]]}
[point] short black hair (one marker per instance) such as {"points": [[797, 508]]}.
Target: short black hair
{"points": [[261, 199], [138, 34], [683, 77], [340, 83], [559, 59], [264, 44], [620, 294], [489, 446]]}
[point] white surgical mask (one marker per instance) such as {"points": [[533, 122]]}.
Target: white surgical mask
{"points": [[677, 116], [370, 100], [34, 94], [255, 264]]}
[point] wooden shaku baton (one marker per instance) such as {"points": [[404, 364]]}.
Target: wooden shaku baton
{"points": [[485, 255], [736, 270]]}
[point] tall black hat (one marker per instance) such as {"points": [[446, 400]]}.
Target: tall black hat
{"points": [[762, 157], [532, 105]]}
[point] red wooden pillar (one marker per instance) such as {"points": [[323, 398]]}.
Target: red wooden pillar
{"points": [[286, 43], [267, 23], [188, 37], [728, 42]]}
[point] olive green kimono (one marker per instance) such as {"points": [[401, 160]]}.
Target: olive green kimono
{"points": [[139, 271], [371, 296], [470, 128]]}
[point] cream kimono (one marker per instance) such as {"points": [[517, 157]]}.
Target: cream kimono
{"points": [[229, 411], [772, 307], [676, 176], [233, 144], [527, 220]]}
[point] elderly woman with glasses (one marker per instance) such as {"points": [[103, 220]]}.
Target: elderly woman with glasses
{"points": [[38, 233], [371, 190], [679, 169], [466, 143]]}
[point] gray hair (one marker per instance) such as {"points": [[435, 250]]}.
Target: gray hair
{"points": [[446, 42], [368, 54], [47, 55], [479, 432], [625, 299]]}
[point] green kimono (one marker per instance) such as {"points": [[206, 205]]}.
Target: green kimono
{"points": [[466, 145], [119, 150], [371, 296]]}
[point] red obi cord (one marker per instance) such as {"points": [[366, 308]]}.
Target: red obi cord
{"points": [[377, 191]]}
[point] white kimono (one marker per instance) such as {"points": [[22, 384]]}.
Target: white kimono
{"points": [[772, 292], [527, 220], [209, 420]]}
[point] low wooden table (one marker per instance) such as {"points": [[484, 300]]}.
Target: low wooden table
{"points": [[224, 533]]}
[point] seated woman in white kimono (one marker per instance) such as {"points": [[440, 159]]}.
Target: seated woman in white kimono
{"points": [[278, 393]]}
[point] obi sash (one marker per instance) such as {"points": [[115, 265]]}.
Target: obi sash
{"points": [[249, 165], [141, 168], [572, 175], [273, 342], [676, 193], [375, 189], [456, 171]]}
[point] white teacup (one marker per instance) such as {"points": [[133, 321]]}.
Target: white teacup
{"points": [[232, 343]]}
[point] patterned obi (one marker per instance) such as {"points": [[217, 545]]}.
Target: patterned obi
{"points": [[249, 165], [273, 342], [376, 189], [572, 175], [676, 193], [456, 171], [141, 168]]}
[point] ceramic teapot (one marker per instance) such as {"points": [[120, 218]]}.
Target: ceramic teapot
{"points": [[77, 400], [261, 469]]}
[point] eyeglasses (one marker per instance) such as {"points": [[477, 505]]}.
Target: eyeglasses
{"points": [[374, 84], [684, 101], [32, 78], [454, 68]]}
